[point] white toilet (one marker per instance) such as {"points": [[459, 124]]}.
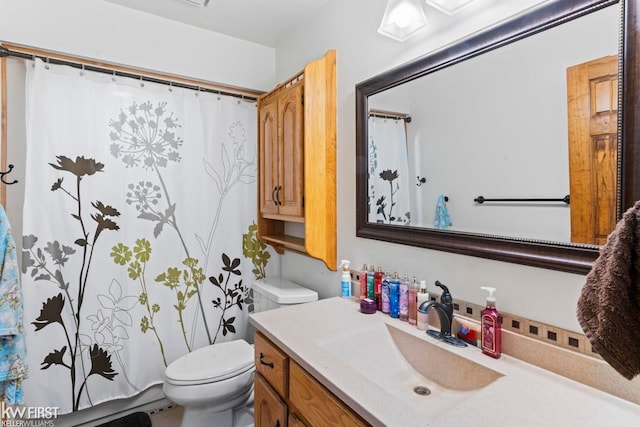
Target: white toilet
{"points": [[214, 384]]}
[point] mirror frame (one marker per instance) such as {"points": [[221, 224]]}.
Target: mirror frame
{"points": [[568, 257]]}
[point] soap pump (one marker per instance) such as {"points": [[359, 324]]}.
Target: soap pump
{"points": [[491, 340], [345, 280]]}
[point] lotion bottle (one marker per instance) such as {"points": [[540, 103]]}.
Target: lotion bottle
{"points": [[491, 332], [423, 296], [394, 296], [413, 302], [345, 279], [404, 298], [385, 292], [370, 288], [377, 287], [363, 282]]}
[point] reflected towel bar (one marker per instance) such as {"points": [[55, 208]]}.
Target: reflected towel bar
{"points": [[482, 199]]}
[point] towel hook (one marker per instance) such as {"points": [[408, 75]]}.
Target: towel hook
{"points": [[2, 174]]}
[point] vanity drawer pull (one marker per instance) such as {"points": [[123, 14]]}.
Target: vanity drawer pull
{"points": [[262, 362], [273, 364]]}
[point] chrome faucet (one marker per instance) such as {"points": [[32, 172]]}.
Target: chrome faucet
{"points": [[444, 308]]}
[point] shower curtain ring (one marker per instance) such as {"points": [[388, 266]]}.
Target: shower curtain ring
{"points": [[46, 65], [170, 87], [198, 92], [141, 82], [218, 96], [82, 70], [113, 78]]}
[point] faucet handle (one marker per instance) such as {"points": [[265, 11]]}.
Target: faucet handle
{"points": [[446, 297]]}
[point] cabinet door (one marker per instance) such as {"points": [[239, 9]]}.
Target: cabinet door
{"points": [[294, 421], [269, 409], [269, 152], [291, 169], [317, 404]]}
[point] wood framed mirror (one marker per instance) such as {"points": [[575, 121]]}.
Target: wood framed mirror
{"points": [[570, 255]]}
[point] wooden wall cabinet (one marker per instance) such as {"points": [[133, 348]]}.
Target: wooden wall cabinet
{"points": [[285, 394], [297, 162]]}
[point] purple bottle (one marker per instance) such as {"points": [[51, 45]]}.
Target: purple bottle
{"points": [[385, 292]]}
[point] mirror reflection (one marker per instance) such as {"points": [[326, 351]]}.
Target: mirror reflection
{"points": [[528, 124]]}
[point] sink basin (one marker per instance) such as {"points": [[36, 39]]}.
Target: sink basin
{"points": [[405, 365], [445, 368]]}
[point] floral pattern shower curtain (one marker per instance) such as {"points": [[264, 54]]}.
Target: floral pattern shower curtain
{"points": [[136, 201], [388, 172]]}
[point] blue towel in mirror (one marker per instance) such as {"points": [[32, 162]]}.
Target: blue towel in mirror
{"points": [[442, 221]]}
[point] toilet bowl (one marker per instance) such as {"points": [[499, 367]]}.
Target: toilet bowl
{"points": [[211, 382], [214, 384]]}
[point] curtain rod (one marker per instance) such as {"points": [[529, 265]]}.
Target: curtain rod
{"points": [[120, 71], [390, 115]]}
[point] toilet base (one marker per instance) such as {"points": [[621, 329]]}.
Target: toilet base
{"points": [[240, 414], [203, 416]]}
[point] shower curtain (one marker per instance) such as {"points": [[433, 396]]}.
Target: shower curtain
{"points": [[137, 200], [388, 172]]}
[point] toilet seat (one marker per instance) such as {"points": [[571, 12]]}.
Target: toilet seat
{"points": [[213, 363]]}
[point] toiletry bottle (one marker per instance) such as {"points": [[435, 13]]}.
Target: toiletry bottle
{"points": [[345, 279], [490, 327], [377, 287], [404, 298], [423, 296], [394, 296], [385, 292], [370, 289], [363, 282], [413, 302]]}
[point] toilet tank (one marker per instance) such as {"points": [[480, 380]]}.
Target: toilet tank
{"points": [[276, 292]]}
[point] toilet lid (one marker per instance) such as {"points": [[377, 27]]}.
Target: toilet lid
{"points": [[211, 363]]}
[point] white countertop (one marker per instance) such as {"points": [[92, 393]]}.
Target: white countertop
{"points": [[348, 351]]}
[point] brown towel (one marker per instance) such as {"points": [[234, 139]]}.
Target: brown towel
{"points": [[609, 304]]}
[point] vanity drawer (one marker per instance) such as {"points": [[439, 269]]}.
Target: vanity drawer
{"points": [[272, 363], [317, 405], [269, 409]]}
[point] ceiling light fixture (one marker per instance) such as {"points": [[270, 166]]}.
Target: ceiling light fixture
{"points": [[448, 6], [402, 19]]}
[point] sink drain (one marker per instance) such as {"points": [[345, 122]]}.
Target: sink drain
{"points": [[421, 390]]}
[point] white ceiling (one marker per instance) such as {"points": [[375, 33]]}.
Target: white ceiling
{"points": [[260, 21]]}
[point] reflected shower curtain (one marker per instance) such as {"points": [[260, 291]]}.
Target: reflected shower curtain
{"points": [[388, 172], [137, 198]]}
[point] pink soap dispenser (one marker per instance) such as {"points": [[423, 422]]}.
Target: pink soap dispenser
{"points": [[490, 327]]}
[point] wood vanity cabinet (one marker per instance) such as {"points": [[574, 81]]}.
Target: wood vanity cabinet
{"points": [[297, 162], [286, 394]]}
